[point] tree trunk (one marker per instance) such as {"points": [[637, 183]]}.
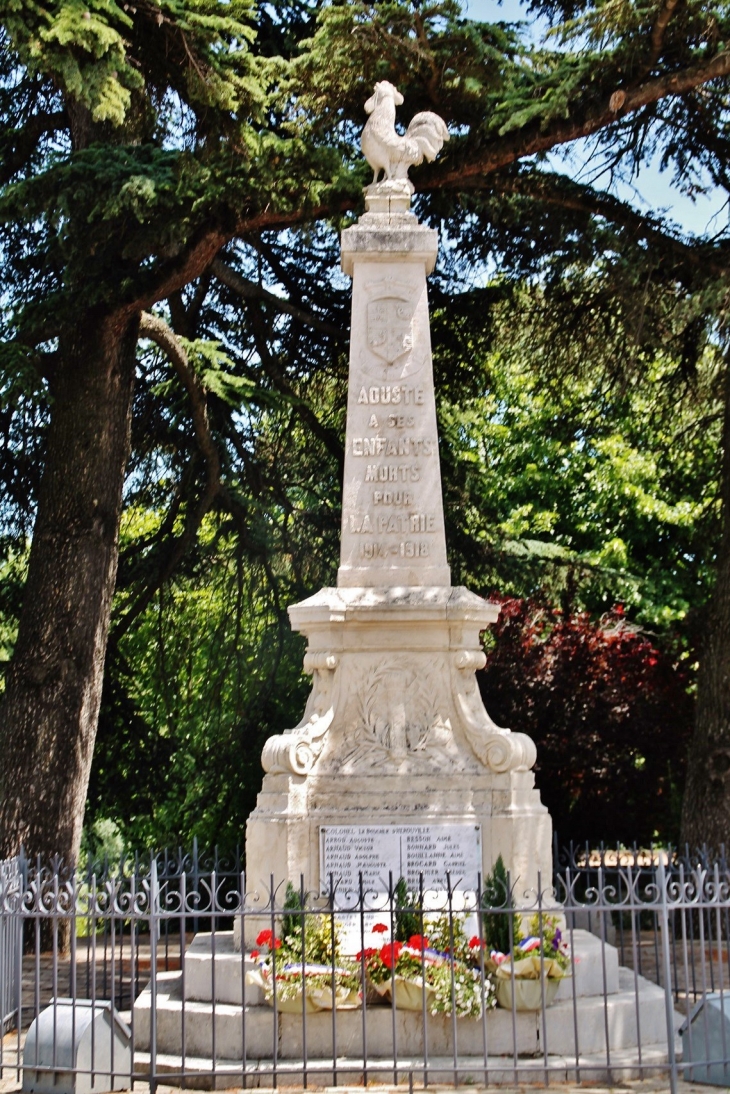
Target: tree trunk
{"points": [[49, 715], [706, 804]]}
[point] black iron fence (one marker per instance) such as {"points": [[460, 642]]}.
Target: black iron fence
{"points": [[10, 946], [172, 968]]}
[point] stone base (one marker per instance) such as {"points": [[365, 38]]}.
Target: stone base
{"points": [[589, 1006], [395, 732], [379, 1075]]}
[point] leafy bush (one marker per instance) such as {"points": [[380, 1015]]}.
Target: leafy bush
{"points": [[610, 710]]}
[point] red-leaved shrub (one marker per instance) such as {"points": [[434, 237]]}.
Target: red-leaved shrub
{"points": [[609, 710]]}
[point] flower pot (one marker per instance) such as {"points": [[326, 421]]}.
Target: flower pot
{"points": [[527, 993], [293, 1004], [318, 997], [408, 993], [321, 998]]}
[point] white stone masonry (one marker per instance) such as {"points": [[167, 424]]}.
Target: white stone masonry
{"points": [[395, 731]]}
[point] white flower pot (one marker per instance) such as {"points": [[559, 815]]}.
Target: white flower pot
{"points": [[527, 993], [408, 993]]}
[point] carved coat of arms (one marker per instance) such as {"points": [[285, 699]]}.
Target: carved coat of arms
{"points": [[390, 328]]}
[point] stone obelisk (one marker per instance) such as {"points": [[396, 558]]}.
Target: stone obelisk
{"points": [[395, 732]]}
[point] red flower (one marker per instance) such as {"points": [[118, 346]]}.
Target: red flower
{"points": [[266, 938], [367, 954], [254, 954], [390, 953], [418, 942], [475, 942], [380, 928]]}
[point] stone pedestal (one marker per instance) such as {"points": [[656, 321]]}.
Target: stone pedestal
{"points": [[591, 1033], [395, 731]]}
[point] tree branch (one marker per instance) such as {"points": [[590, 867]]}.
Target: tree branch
{"points": [[534, 138], [157, 330], [567, 194], [498, 153], [27, 138], [657, 34], [251, 290], [328, 437]]}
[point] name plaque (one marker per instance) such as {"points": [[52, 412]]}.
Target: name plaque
{"points": [[405, 850]]}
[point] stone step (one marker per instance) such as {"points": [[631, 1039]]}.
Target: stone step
{"points": [[595, 967], [223, 978], [619, 1015], [499, 1070]]}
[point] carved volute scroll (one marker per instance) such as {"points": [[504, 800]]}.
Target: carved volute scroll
{"points": [[498, 749], [296, 750]]}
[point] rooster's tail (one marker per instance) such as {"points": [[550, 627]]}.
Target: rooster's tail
{"points": [[429, 132]]}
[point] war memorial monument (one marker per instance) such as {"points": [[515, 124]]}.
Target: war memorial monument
{"points": [[396, 765], [396, 770]]}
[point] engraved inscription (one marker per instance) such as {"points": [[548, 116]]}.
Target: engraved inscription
{"points": [[395, 523], [382, 446], [414, 852], [406, 549], [392, 472], [392, 497], [392, 393]]}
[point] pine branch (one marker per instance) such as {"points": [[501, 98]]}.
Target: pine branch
{"points": [[498, 153], [657, 34], [327, 436], [567, 194], [503, 151], [250, 290], [24, 141], [157, 330], [190, 263]]}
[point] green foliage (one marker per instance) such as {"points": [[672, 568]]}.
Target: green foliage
{"points": [[580, 391], [290, 921], [604, 492], [446, 934], [103, 843], [499, 933], [408, 918], [100, 52], [311, 936]]}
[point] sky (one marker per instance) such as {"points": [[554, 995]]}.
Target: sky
{"points": [[652, 189]]}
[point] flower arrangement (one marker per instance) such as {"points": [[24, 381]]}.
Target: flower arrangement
{"points": [[304, 968], [543, 955], [444, 970]]}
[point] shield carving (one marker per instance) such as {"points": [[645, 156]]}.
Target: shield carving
{"points": [[390, 328]]}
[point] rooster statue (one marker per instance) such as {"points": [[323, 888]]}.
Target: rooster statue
{"points": [[384, 148]]}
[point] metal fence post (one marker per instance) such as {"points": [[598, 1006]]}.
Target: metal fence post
{"points": [[154, 898], [11, 943], [667, 974]]}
